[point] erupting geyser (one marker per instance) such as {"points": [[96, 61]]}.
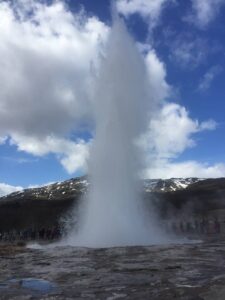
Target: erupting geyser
{"points": [[113, 214]]}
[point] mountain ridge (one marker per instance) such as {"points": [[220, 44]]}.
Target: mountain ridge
{"points": [[69, 186], [172, 198]]}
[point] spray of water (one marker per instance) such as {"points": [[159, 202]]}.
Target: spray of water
{"points": [[113, 214]]}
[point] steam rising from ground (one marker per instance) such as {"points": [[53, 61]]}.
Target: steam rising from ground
{"points": [[113, 214]]}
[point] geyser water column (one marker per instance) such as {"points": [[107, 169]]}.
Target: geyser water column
{"points": [[113, 214]]}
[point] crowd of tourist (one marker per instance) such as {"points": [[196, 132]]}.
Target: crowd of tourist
{"points": [[198, 227], [48, 234], [203, 226]]}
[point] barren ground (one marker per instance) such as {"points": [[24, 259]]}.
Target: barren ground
{"points": [[184, 272]]}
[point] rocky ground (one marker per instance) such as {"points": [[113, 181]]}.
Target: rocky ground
{"points": [[191, 271], [194, 271]]}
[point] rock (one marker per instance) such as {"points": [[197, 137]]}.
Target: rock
{"points": [[81, 273]]}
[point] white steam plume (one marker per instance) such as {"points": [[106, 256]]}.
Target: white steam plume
{"points": [[113, 214]]}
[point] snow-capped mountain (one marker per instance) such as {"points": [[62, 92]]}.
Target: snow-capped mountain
{"points": [[51, 204], [168, 185], [6, 189], [75, 186], [52, 191]]}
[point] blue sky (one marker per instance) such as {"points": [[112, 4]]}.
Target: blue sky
{"points": [[46, 117]]}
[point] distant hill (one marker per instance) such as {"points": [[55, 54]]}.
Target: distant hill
{"points": [[73, 186], [46, 205]]}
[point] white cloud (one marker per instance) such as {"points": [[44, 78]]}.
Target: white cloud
{"points": [[7, 189], [169, 135], [205, 11], [76, 156], [159, 88], [187, 51], [208, 78], [172, 132], [167, 169], [46, 54], [46, 57], [72, 155], [45, 67], [148, 9], [3, 139], [208, 125]]}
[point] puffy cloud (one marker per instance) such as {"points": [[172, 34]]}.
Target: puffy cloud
{"points": [[167, 169], [171, 132], [208, 125], [208, 78], [148, 9], [46, 57], [205, 11], [8, 189], [169, 135], [72, 155], [159, 88]]}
